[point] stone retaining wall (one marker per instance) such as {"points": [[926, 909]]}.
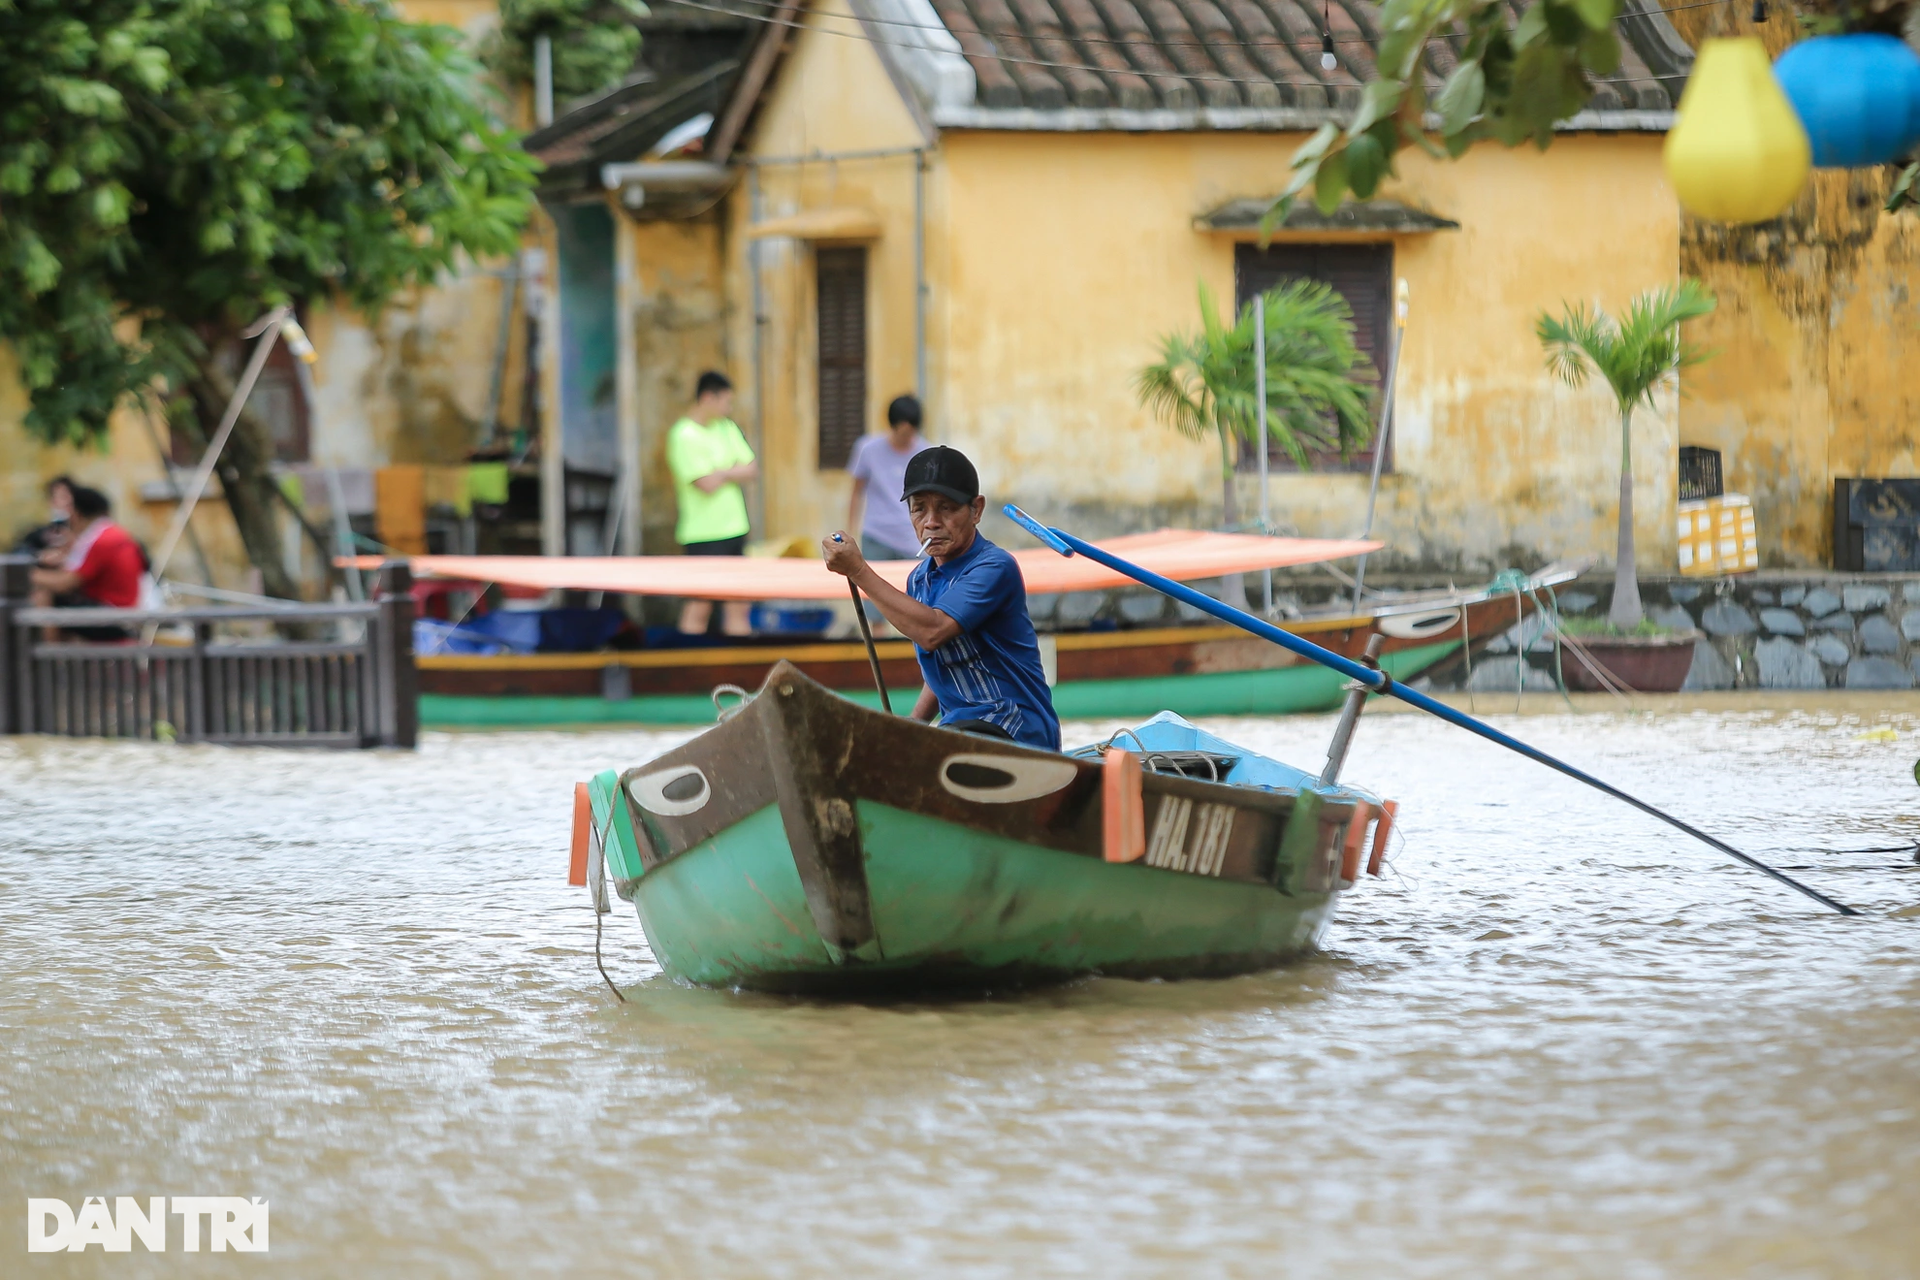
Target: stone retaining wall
{"points": [[1769, 630], [1762, 631]]}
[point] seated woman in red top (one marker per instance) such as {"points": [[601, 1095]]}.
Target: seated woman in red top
{"points": [[103, 566]]}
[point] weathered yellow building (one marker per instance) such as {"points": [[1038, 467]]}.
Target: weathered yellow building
{"points": [[1011, 237]]}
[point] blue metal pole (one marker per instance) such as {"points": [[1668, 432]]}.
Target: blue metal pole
{"points": [[1380, 682]]}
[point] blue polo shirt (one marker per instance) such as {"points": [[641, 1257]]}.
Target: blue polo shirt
{"points": [[990, 671]]}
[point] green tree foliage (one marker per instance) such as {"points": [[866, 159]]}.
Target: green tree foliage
{"points": [[1635, 357], [1204, 383], [170, 169], [1514, 80], [594, 42], [65, 160]]}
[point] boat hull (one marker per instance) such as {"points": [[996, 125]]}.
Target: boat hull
{"points": [[986, 911], [830, 849]]}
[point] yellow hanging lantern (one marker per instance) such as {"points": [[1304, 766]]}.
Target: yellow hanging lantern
{"points": [[1736, 152]]}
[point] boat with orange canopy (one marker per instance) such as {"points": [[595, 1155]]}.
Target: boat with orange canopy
{"points": [[1096, 674]]}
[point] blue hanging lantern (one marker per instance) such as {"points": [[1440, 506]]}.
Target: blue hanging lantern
{"points": [[1858, 96]]}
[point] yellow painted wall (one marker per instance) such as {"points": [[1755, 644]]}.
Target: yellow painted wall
{"points": [[831, 95], [1070, 254], [1055, 261], [473, 17], [1817, 371], [678, 304], [412, 385], [1816, 374]]}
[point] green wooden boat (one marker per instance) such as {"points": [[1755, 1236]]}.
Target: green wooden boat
{"points": [[808, 843]]}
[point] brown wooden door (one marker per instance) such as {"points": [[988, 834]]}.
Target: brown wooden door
{"points": [[1360, 273], [840, 295]]}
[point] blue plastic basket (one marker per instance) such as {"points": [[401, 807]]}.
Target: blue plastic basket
{"points": [[771, 620]]}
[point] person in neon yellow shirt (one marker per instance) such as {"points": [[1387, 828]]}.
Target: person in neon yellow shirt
{"points": [[710, 460]]}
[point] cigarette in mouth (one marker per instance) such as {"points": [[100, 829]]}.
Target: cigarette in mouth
{"points": [[923, 546]]}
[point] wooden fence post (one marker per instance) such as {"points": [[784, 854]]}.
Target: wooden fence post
{"points": [[16, 586], [399, 682], [200, 705]]}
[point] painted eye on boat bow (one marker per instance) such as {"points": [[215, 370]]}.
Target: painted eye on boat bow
{"points": [[1418, 626], [991, 779], [672, 793]]}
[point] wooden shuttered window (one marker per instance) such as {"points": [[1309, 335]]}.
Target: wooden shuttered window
{"points": [[840, 299], [1360, 273], [277, 398]]}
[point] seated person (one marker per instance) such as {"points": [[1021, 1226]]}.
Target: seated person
{"points": [[103, 566], [43, 540], [965, 609]]}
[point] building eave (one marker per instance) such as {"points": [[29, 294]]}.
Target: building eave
{"points": [[1230, 119], [1361, 219]]}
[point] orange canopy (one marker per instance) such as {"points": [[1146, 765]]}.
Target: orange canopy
{"points": [[1180, 554]]}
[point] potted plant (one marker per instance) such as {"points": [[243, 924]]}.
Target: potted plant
{"points": [[1636, 356], [1648, 659]]}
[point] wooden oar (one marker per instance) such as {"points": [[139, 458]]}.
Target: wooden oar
{"points": [[866, 633], [1380, 682]]}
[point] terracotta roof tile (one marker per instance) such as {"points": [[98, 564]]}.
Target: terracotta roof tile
{"points": [[1184, 54]]}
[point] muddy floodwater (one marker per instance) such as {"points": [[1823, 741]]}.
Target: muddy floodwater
{"points": [[1558, 1040]]}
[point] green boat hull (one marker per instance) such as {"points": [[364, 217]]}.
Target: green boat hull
{"points": [[1272, 692], [809, 844], [952, 906]]}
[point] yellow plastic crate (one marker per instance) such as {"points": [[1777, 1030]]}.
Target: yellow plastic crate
{"points": [[1717, 536]]}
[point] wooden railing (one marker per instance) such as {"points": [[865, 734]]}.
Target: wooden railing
{"points": [[177, 678]]}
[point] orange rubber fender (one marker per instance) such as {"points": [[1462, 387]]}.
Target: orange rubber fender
{"points": [[1123, 813], [1356, 840], [582, 832], [1388, 812]]}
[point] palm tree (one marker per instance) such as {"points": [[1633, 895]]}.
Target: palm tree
{"points": [[1204, 384], [1636, 356]]}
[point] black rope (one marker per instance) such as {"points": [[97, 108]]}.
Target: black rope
{"points": [[600, 964], [600, 852]]}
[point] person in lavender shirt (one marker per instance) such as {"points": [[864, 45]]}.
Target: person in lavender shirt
{"points": [[879, 469]]}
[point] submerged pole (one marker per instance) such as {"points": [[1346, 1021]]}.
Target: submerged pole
{"points": [[1350, 716], [1380, 682]]}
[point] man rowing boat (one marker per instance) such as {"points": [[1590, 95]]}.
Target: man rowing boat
{"points": [[965, 609]]}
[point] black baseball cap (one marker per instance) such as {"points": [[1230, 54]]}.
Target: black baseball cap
{"points": [[943, 471]]}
